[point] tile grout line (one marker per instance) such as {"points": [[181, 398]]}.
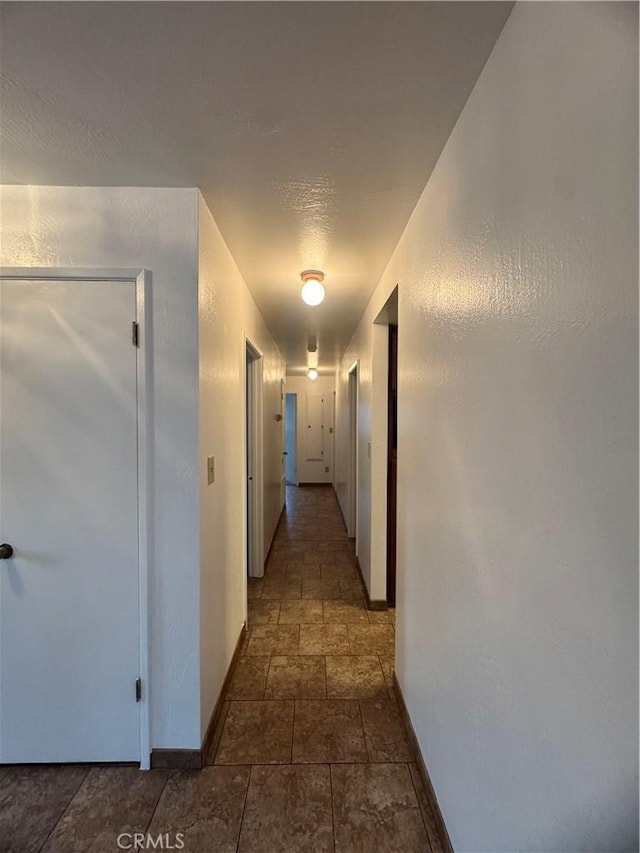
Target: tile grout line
{"points": [[364, 734], [293, 729], [244, 805], [64, 810], [155, 808], [333, 811]]}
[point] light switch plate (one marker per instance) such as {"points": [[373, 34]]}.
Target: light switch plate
{"points": [[211, 469]]}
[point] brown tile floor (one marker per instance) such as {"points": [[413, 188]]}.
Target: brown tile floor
{"points": [[310, 753]]}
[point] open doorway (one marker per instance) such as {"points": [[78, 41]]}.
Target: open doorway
{"points": [[253, 432], [352, 523], [290, 439], [392, 463], [384, 459]]}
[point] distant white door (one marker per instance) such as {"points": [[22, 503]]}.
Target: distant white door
{"points": [[255, 557], [69, 638], [314, 432], [291, 416]]}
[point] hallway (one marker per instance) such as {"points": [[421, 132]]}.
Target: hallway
{"points": [[310, 752], [260, 193]]}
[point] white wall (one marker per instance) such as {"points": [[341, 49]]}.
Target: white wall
{"points": [[156, 229], [517, 647], [369, 346], [201, 312], [227, 313], [313, 471]]}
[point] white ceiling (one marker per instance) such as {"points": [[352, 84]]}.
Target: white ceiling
{"points": [[311, 128]]}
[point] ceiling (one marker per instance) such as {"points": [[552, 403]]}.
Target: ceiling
{"points": [[310, 127]]}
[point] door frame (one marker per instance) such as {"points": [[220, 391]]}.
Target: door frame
{"points": [[142, 280], [257, 367], [353, 399], [392, 465]]}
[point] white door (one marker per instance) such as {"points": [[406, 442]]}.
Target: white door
{"points": [[291, 414], [283, 455], [255, 561], [250, 451], [314, 433], [69, 640]]}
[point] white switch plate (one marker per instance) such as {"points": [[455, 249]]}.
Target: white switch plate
{"points": [[211, 469]]}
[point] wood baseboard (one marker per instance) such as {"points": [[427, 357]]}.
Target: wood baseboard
{"points": [[424, 773], [215, 716], [344, 520], [193, 759], [372, 603], [275, 532], [176, 759]]}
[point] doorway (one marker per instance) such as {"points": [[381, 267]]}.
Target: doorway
{"points": [[352, 526], [253, 457], [290, 439], [392, 464], [73, 516]]}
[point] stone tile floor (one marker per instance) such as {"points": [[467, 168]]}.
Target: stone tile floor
{"points": [[310, 752]]}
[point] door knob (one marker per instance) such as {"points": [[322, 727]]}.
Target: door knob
{"points": [[6, 551]]}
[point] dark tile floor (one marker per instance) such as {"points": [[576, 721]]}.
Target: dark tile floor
{"points": [[310, 752]]}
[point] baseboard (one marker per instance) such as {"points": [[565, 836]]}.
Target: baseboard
{"points": [[344, 520], [424, 773], [275, 531], [215, 716], [372, 603], [193, 759], [176, 759]]}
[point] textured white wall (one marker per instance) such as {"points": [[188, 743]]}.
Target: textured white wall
{"points": [[313, 472], [517, 642], [226, 313], [157, 229], [369, 346]]}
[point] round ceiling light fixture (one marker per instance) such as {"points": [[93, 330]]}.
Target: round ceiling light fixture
{"points": [[312, 290], [312, 373]]}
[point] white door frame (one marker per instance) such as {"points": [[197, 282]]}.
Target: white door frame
{"points": [[353, 398], [248, 347], [142, 280]]}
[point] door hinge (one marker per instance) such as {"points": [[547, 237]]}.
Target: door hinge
{"points": [[138, 689], [135, 334]]}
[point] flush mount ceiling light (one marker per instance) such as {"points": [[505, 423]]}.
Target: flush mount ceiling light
{"points": [[312, 290], [312, 373]]}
